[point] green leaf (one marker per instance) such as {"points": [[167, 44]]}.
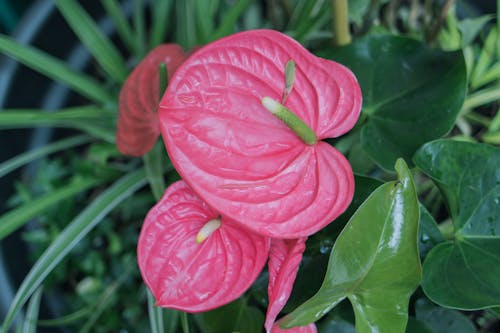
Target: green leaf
{"points": [[123, 28], [32, 155], [158, 316], [30, 322], [412, 94], [160, 14], [471, 27], [71, 236], [91, 119], [55, 69], [227, 25], [440, 320], [97, 43], [154, 162], [358, 9], [236, 316], [374, 262], [428, 232], [17, 217], [463, 273]]}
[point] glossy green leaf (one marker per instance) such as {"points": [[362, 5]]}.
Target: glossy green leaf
{"points": [[412, 94], [70, 236], [105, 53], [428, 232], [374, 262], [416, 326], [54, 69], [463, 273], [236, 316]]}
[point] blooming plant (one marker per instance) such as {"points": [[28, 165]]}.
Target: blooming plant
{"points": [[251, 166]]}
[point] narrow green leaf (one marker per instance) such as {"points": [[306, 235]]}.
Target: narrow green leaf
{"points": [[154, 162], [102, 304], [123, 28], [185, 32], [230, 18], [486, 58], [71, 117], [463, 272], [55, 69], [155, 316], [160, 13], [71, 318], [374, 262], [204, 20], [139, 28], [17, 217], [482, 97], [97, 43], [29, 156], [30, 321], [71, 236]]}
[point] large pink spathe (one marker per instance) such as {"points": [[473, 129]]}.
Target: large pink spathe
{"points": [[186, 275], [241, 159]]}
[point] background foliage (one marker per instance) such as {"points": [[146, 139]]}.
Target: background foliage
{"points": [[429, 73]]}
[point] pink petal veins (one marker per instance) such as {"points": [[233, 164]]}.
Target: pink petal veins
{"points": [[284, 260], [189, 276], [241, 159], [311, 328], [138, 126]]}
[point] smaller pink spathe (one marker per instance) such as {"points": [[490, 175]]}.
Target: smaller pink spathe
{"points": [[189, 276]]}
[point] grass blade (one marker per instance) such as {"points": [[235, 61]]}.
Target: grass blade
{"points": [[140, 28], [160, 13], [153, 164], [17, 217], [71, 117], [122, 26], [185, 33], [104, 302], [104, 52], [230, 18], [30, 322], [27, 157], [71, 318], [54, 69], [155, 315], [70, 237]]}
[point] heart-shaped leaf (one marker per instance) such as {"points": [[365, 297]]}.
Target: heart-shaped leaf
{"points": [[138, 125], [374, 262], [434, 319], [285, 256], [412, 93], [463, 273], [188, 273], [239, 157]]}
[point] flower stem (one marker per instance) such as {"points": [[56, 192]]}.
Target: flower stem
{"points": [[340, 22], [296, 124]]}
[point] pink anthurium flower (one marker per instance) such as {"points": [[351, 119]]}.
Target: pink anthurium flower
{"points": [[191, 258], [138, 126], [221, 122], [285, 256], [311, 328]]}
